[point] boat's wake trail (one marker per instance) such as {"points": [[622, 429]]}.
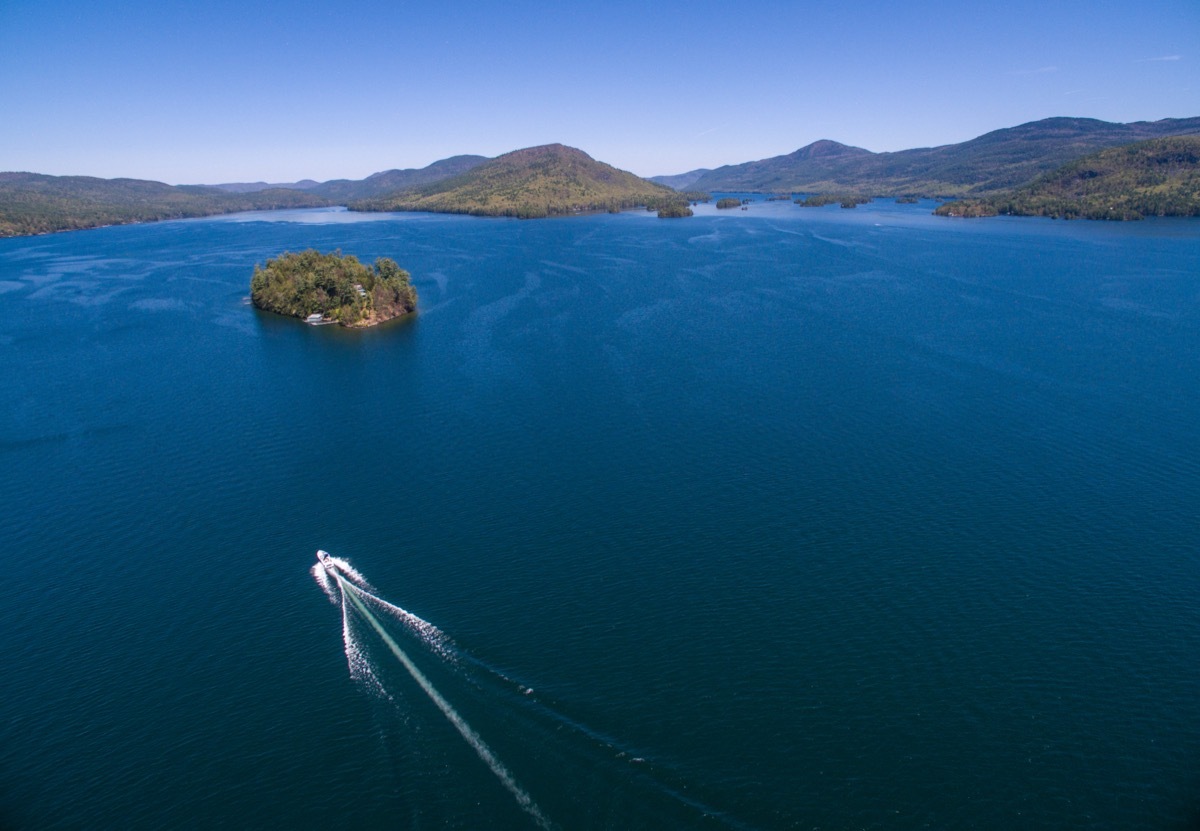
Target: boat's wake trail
{"points": [[570, 758], [352, 593], [472, 738]]}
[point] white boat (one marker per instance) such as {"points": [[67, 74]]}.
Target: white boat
{"points": [[326, 562]]}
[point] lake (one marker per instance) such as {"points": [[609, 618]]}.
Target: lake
{"points": [[776, 518]]}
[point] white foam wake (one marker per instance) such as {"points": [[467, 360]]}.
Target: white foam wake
{"points": [[350, 571], [349, 589], [434, 638], [360, 668], [465, 730], [325, 582]]}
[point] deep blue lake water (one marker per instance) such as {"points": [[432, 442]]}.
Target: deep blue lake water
{"points": [[778, 518]]}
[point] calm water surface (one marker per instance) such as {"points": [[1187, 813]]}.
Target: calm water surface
{"points": [[781, 518]]}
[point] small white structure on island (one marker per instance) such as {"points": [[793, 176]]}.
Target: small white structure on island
{"points": [[361, 291], [314, 319]]}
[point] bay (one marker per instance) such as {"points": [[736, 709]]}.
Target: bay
{"points": [[774, 518]]}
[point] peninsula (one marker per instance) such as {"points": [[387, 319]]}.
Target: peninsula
{"points": [[333, 288]]}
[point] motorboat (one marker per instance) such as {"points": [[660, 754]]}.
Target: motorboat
{"points": [[326, 561]]}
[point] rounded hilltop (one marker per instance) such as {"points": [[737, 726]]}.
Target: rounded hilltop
{"points": [[550, 180], [332, 288]]}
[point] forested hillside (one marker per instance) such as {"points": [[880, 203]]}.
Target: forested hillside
{"points": [[1160, 177], [31, 203], [996, 161]]}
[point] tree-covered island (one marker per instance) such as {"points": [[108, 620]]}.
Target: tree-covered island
{"points": [[338, 287], [677, 210], [846, 200]]}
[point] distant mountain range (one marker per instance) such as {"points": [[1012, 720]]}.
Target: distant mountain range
{"points": [[255, 187], [554, 179], [341, 191], [534, 182], [377, 184], [680, 181], [992, 162], [33, 203]]}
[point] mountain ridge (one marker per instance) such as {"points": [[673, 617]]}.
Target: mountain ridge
{"points": [[994, 161], [255, 187], [679, 181], [36, 203], [391, 181]]}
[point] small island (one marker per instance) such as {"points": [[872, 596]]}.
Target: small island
{"points": [[332, 288], [728, 202], [676, 210], [846, 200]]}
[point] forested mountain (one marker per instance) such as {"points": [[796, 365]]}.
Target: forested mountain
{"points": [[821, 165], [31, 203], [534, 182], [996, 161], [1160, 177]]}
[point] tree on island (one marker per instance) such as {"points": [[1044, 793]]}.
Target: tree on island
{"points": [[338, 287], [728, 202]]}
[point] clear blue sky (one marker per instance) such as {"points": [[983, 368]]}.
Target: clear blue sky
{"points": [[223, 91]]}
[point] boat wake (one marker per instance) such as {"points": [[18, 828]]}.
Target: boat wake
{"points": [[577, 768]]}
